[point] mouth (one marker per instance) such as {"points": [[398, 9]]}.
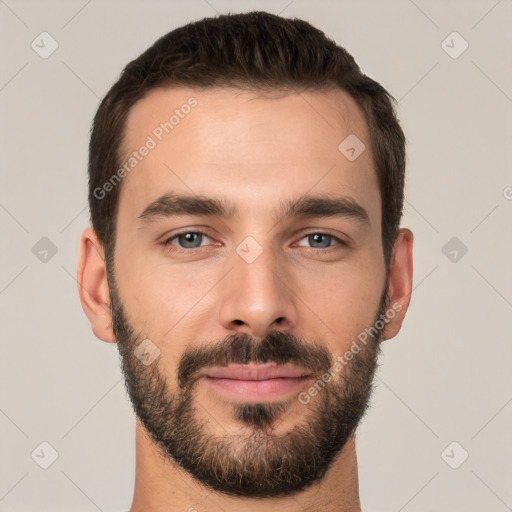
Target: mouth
{"points": [[256, 383]]}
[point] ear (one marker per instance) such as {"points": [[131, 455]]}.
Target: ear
{"points": [[93, 286], [399, 283]]}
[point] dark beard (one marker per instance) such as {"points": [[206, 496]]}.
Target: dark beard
{"points": [[260, 464]]}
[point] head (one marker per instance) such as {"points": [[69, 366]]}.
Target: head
{"points": [[260, 134]]}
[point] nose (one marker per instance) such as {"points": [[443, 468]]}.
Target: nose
{"points": [[258, 297]]}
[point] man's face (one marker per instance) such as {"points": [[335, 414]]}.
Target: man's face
{"points": [[255, 287]]}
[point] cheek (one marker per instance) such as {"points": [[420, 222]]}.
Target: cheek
{"points": [[139, 282], [346, 296], [161, 297]]}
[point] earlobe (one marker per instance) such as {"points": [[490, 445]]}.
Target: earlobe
{"points": [[399, 283], [93, 286]]}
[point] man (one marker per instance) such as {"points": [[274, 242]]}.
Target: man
{"points": [[246, 190]]}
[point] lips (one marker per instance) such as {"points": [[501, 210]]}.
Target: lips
{"points": [[256, 372], [256, 383]]}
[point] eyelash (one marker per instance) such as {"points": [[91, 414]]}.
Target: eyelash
{"points": [[167, 243]]}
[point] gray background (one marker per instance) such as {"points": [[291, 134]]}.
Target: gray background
{"points": [[445, 378]]}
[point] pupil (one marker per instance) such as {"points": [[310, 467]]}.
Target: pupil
{"points": [[189, 237], [318, 236]]}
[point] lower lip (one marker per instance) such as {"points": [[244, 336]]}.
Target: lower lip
{"points": [[257, 390]]}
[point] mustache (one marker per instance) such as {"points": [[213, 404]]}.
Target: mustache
{"points": [[277, 347]]}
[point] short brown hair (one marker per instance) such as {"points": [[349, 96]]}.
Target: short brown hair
{"points": [[251, 51]]}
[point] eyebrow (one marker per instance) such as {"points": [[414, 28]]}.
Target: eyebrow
{"points": [[306, 206]]}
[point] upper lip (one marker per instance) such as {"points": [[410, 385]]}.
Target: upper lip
{"points": [[255, 372]]}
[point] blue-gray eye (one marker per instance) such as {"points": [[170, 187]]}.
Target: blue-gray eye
{"points": [[323, 239], [187, 240]]}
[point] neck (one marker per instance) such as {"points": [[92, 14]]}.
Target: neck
{"points": [[162, 486]]}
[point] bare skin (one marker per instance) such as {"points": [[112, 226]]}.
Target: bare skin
{"points": [[255, 152]]}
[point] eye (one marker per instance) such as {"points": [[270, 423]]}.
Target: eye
{"points": [[321, 240], [187, 239]]}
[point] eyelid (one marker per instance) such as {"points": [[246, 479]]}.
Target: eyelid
{"points": [[325, 231]]}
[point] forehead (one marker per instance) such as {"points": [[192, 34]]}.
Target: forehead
{"points": [[257, 148]]}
